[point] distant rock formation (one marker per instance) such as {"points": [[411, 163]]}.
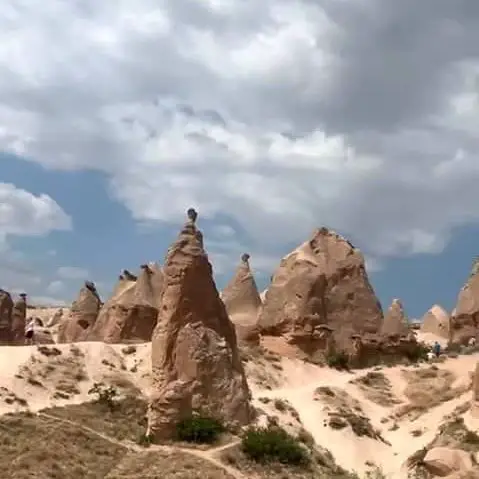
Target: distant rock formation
{"points": [[130, 314], [243, 302], [323, 281], [436, 322], [19, 317], [83, 314], [465, 320], [56, 318], [196, 365], [6, 309], [395, 321]]}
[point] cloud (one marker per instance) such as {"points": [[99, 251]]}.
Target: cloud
{"points": [[281, 116], [72, 273], [56, 287], [24, 214]]}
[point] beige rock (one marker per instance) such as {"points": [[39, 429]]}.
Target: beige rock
{"points": [[436, 321], [195, 359], [56, 318], [83, 314], [465, 320], [475, 393], [443, 461], [19, 316], [130, 314], [395, 320], [243, 302], [324, 278], [6, 308]]}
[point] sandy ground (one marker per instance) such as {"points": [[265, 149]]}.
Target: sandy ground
{"points": [[29, 375]]}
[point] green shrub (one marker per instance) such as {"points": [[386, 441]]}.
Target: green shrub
{"points": [[105, 394], [338, 360], [199, 429], [272, 443]]}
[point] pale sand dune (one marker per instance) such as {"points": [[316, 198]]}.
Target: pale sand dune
{"points": [[292, 380]]}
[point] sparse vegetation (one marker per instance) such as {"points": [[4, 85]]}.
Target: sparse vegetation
{"points": [[338, 360], [199, 429], [105, 395], [272, 443], [377, 388]]}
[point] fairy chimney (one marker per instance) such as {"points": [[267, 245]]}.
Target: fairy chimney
{"points": [[83, 314], [437, 322], [130, 314], [19, 317], [243, 302], [6, 309], [325, 276], [395, 321], [196, 367]]}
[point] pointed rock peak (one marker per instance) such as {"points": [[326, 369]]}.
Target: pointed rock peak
{"points": [[436, 321], [189, 242], [395, 321], [195, 357], [90, 285], [475, 266], [23, 296], [129, 276], [245, 258], [146, 268], [192, 215]]}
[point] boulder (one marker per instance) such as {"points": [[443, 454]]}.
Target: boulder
{"points": [[444, 461], [242, 302], [465, 320], [395, 320], [6, 309], [19, 317], [130, 314], [436, 322], [83, 314], [196, 366], [323, 281]]}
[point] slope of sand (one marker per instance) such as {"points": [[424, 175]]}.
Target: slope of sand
{"points": [[36, 378]]}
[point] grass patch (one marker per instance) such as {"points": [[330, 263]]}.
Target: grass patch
{"points": [[37, 447], [199, 430], [127, 420]]}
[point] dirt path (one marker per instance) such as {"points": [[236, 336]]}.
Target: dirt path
{"points": [[208, 455]]}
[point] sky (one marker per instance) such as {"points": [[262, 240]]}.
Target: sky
{"points": [[271, 118]]}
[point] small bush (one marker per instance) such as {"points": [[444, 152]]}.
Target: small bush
{"points": [[145, 440], [105, 394], [338, 360], [266, 444], [199, 429]]}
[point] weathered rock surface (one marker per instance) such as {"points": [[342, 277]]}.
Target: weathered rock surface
{"points": [[130, 314], [444, 461], [83, 314], [395, 321], [475, 393], [465, 320], [196, 365], [243, 302], [437, 322], [19, 317], [324, 281], [6, 308]]}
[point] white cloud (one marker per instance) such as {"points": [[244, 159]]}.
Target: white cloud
{"points": [[24, 214], [281, 115], [56, 287], [72, 272]]}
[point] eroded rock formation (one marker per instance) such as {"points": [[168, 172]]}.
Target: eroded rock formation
{"points": [[130, 314], [243, 302], [19, 317], [6, 308], [395, 321], [436, 322], [195, 359], [323, 281], [83, 314]]}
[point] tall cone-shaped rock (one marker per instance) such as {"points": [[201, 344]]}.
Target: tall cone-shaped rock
{"points": [[437, 322], [131, 313], [323, 281], [6, 308], [243, 302], [19, 317], [465, 320], [195, 358], [395, 320], [82, 317]]}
